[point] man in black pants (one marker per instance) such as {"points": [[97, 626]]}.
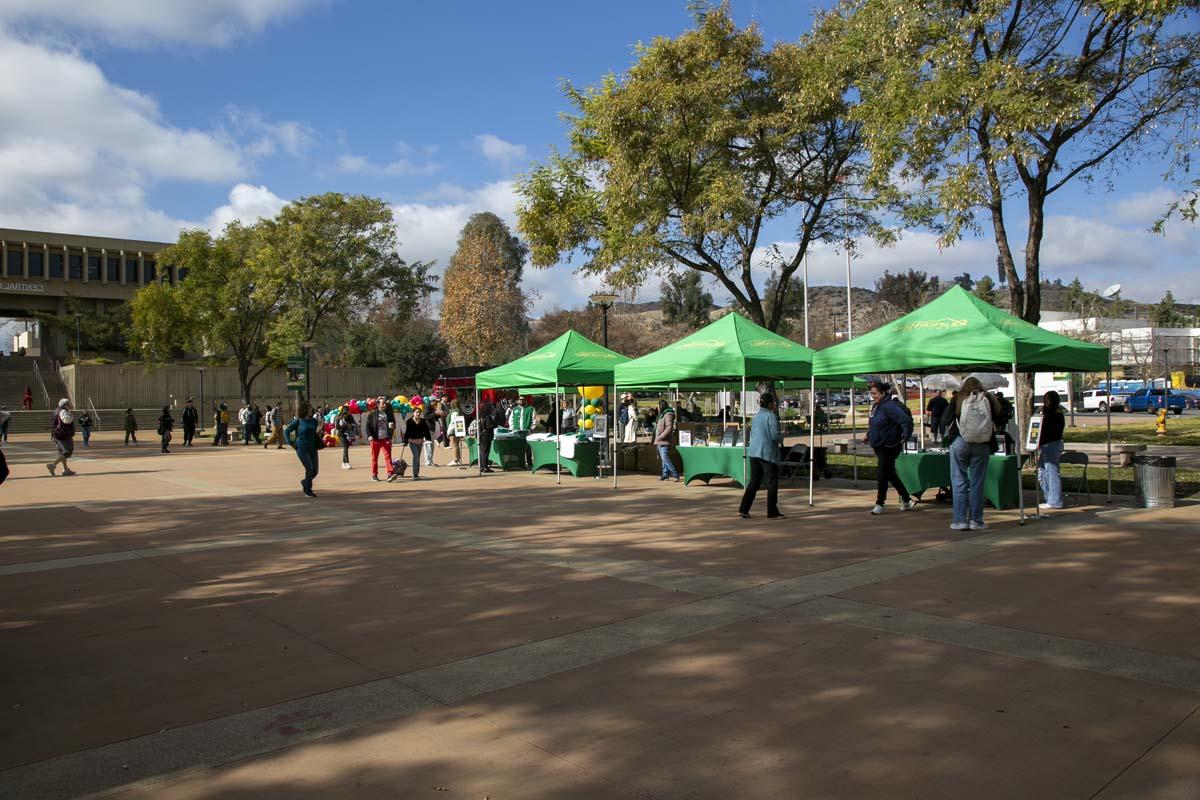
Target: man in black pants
{"points": [[889, 428], [190, 418], [487, 432], [766, 436]]}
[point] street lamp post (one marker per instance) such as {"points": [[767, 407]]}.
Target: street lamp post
{"points": [[77, 315], [203, 411], [308, 346], [605, 301]]}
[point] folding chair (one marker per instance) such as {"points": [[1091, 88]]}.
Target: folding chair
{"points": [[794, 461], [1072, 457]]}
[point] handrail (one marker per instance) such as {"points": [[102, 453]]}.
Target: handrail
{"points": [[95, 413], [37, 373]]}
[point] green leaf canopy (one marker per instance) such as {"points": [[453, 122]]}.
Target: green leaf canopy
{"points": [[731, 348], [569, 360], [958, 331]]}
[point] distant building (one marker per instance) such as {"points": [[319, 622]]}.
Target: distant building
{"points": [[1137, 347]]}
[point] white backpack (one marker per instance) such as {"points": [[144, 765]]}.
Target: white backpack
{"points": [[975, 419]]}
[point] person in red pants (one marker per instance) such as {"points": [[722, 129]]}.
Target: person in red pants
{"points": [[379, 432], [27, 399]]}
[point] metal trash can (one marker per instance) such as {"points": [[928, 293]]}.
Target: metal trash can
{"points": [[1154, 477]]}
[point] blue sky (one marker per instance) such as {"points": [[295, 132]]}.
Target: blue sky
{"points": [[194, 112]]}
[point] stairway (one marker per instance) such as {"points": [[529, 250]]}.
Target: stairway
{"points": [[16, 372]]}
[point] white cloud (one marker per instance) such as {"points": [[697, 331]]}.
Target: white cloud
{"points": [[351, 164], [138, 22], [292, 137], [247, 204], [430, 230], [500, 151]]}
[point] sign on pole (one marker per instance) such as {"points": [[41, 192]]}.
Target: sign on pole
{"points": [[297, 376]]}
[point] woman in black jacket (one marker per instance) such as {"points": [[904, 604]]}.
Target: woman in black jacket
{"points": [[416, 434], [166, 423], [889, 428]]}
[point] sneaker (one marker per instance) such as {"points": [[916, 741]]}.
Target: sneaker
{"points": [[375, 478], [958, 526], [978, 526], [51, 468], [69, 472], [877, 509], [346, 466], [1047, 507], [743, 515], [391, 478], [910, 505]]}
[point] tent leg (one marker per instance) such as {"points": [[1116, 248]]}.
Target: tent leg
{"points": [[557, 451], [478, 430], [745, 437], [612, 434], [1017, 414], [812, 431], [853, 432], [921, 411], [1108, 423]]}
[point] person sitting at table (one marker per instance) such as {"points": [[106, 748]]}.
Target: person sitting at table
{"points": [[889, 427], [766, 436], [972, 435]]}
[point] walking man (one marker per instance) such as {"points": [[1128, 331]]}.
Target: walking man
{"points": [[221, 423], [379, 431], [130, 427], [62, 431], [190, 419], [486, 426], [664, 432], [766, 436], [275, 422]]}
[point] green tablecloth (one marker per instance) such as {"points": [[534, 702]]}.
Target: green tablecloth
{"points": [[506, 453], [706, 463], [583, 465], [921, 471]]}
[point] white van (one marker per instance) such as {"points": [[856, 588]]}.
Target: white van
{"points": [[1097, 400]]}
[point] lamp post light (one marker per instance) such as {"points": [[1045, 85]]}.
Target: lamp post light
{"points": [[308, 346], [605, 300], [203, 412], [77, 316]]}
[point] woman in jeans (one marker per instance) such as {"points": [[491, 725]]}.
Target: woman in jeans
{"points": [[1050, 450], [416, 434], [301, 433], [345, 428], [888, 429], [664, 433], [969, 460]]}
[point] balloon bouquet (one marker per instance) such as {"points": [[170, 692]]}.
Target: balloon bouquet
{"points": [[593, 406], [400, 403]]}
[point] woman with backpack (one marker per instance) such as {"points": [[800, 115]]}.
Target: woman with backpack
{"points": [[889, 426], [166, 424], [973, 429], [1050, 450]]}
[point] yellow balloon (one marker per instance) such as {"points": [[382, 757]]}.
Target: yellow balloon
{"points": [[589, 409], [588, 424], [593, 392], [581, 389], [401, 399]]}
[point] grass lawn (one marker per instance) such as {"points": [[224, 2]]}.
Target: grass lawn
{"points": [[1183, 430], [1187, 481]]}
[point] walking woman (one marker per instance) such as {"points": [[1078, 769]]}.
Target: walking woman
{"points": [[166, 423], [345, 429], [301, 434], [452, 428], [1050, 450], [416, 434], [888, 430], [973, 427]]}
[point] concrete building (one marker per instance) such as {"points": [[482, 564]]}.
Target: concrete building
{"points": [[40, 271], [1138, 348]]}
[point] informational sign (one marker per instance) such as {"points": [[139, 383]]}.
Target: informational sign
{"points": [[1034, 434], [460, 428], [729, 436], [685, 438], [599, 427], [297, 377]]}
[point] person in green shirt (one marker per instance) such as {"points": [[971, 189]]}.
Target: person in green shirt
{"points": [[520, 418]]}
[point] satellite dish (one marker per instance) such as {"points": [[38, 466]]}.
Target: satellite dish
{"points": [[1111, 291]]}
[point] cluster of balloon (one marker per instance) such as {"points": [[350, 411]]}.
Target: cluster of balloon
{"points": [[593, 407]]}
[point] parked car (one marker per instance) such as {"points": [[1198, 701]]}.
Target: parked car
{"points": [[1191, 395], [1152, 400], [1097, 400]]}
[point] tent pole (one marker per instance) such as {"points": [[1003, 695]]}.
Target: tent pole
{"points": [[612, 438], [812, 431], [921, 410], [1017, 414], [557, 450], [853, 433], [1108, 423], [745, 438], [478, 430]]}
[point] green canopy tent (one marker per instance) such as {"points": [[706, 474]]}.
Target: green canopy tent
{"points": [[960, 332], [570, 360], [728, 350]]}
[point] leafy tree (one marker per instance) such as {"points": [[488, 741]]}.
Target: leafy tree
{"points": [[905, 290], [219, 307], [681, 161], [326, 255], [1165, 314], [513, 252], [483, 308], [418, 356], [965, 281], [985, 289], [1185, 207], [1076, 296], [684, 300], [983, 104]]}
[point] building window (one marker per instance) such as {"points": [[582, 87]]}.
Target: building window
{"points": [[169, 274], [182, 274], [93, 268], [36, 264], [75, 264], [150, 273], [131, 270], [113, 269], [56, 265], [13, 268]]}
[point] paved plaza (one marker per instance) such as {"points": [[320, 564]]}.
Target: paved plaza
{"points": [[190, 626]]}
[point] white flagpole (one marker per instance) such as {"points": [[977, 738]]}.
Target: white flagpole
{"points": [[1019, 442], [812, 394]]}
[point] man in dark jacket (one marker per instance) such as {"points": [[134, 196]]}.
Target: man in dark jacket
{"points": [[190, 419], [380, 427], [890, 427], [491, 416]]}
